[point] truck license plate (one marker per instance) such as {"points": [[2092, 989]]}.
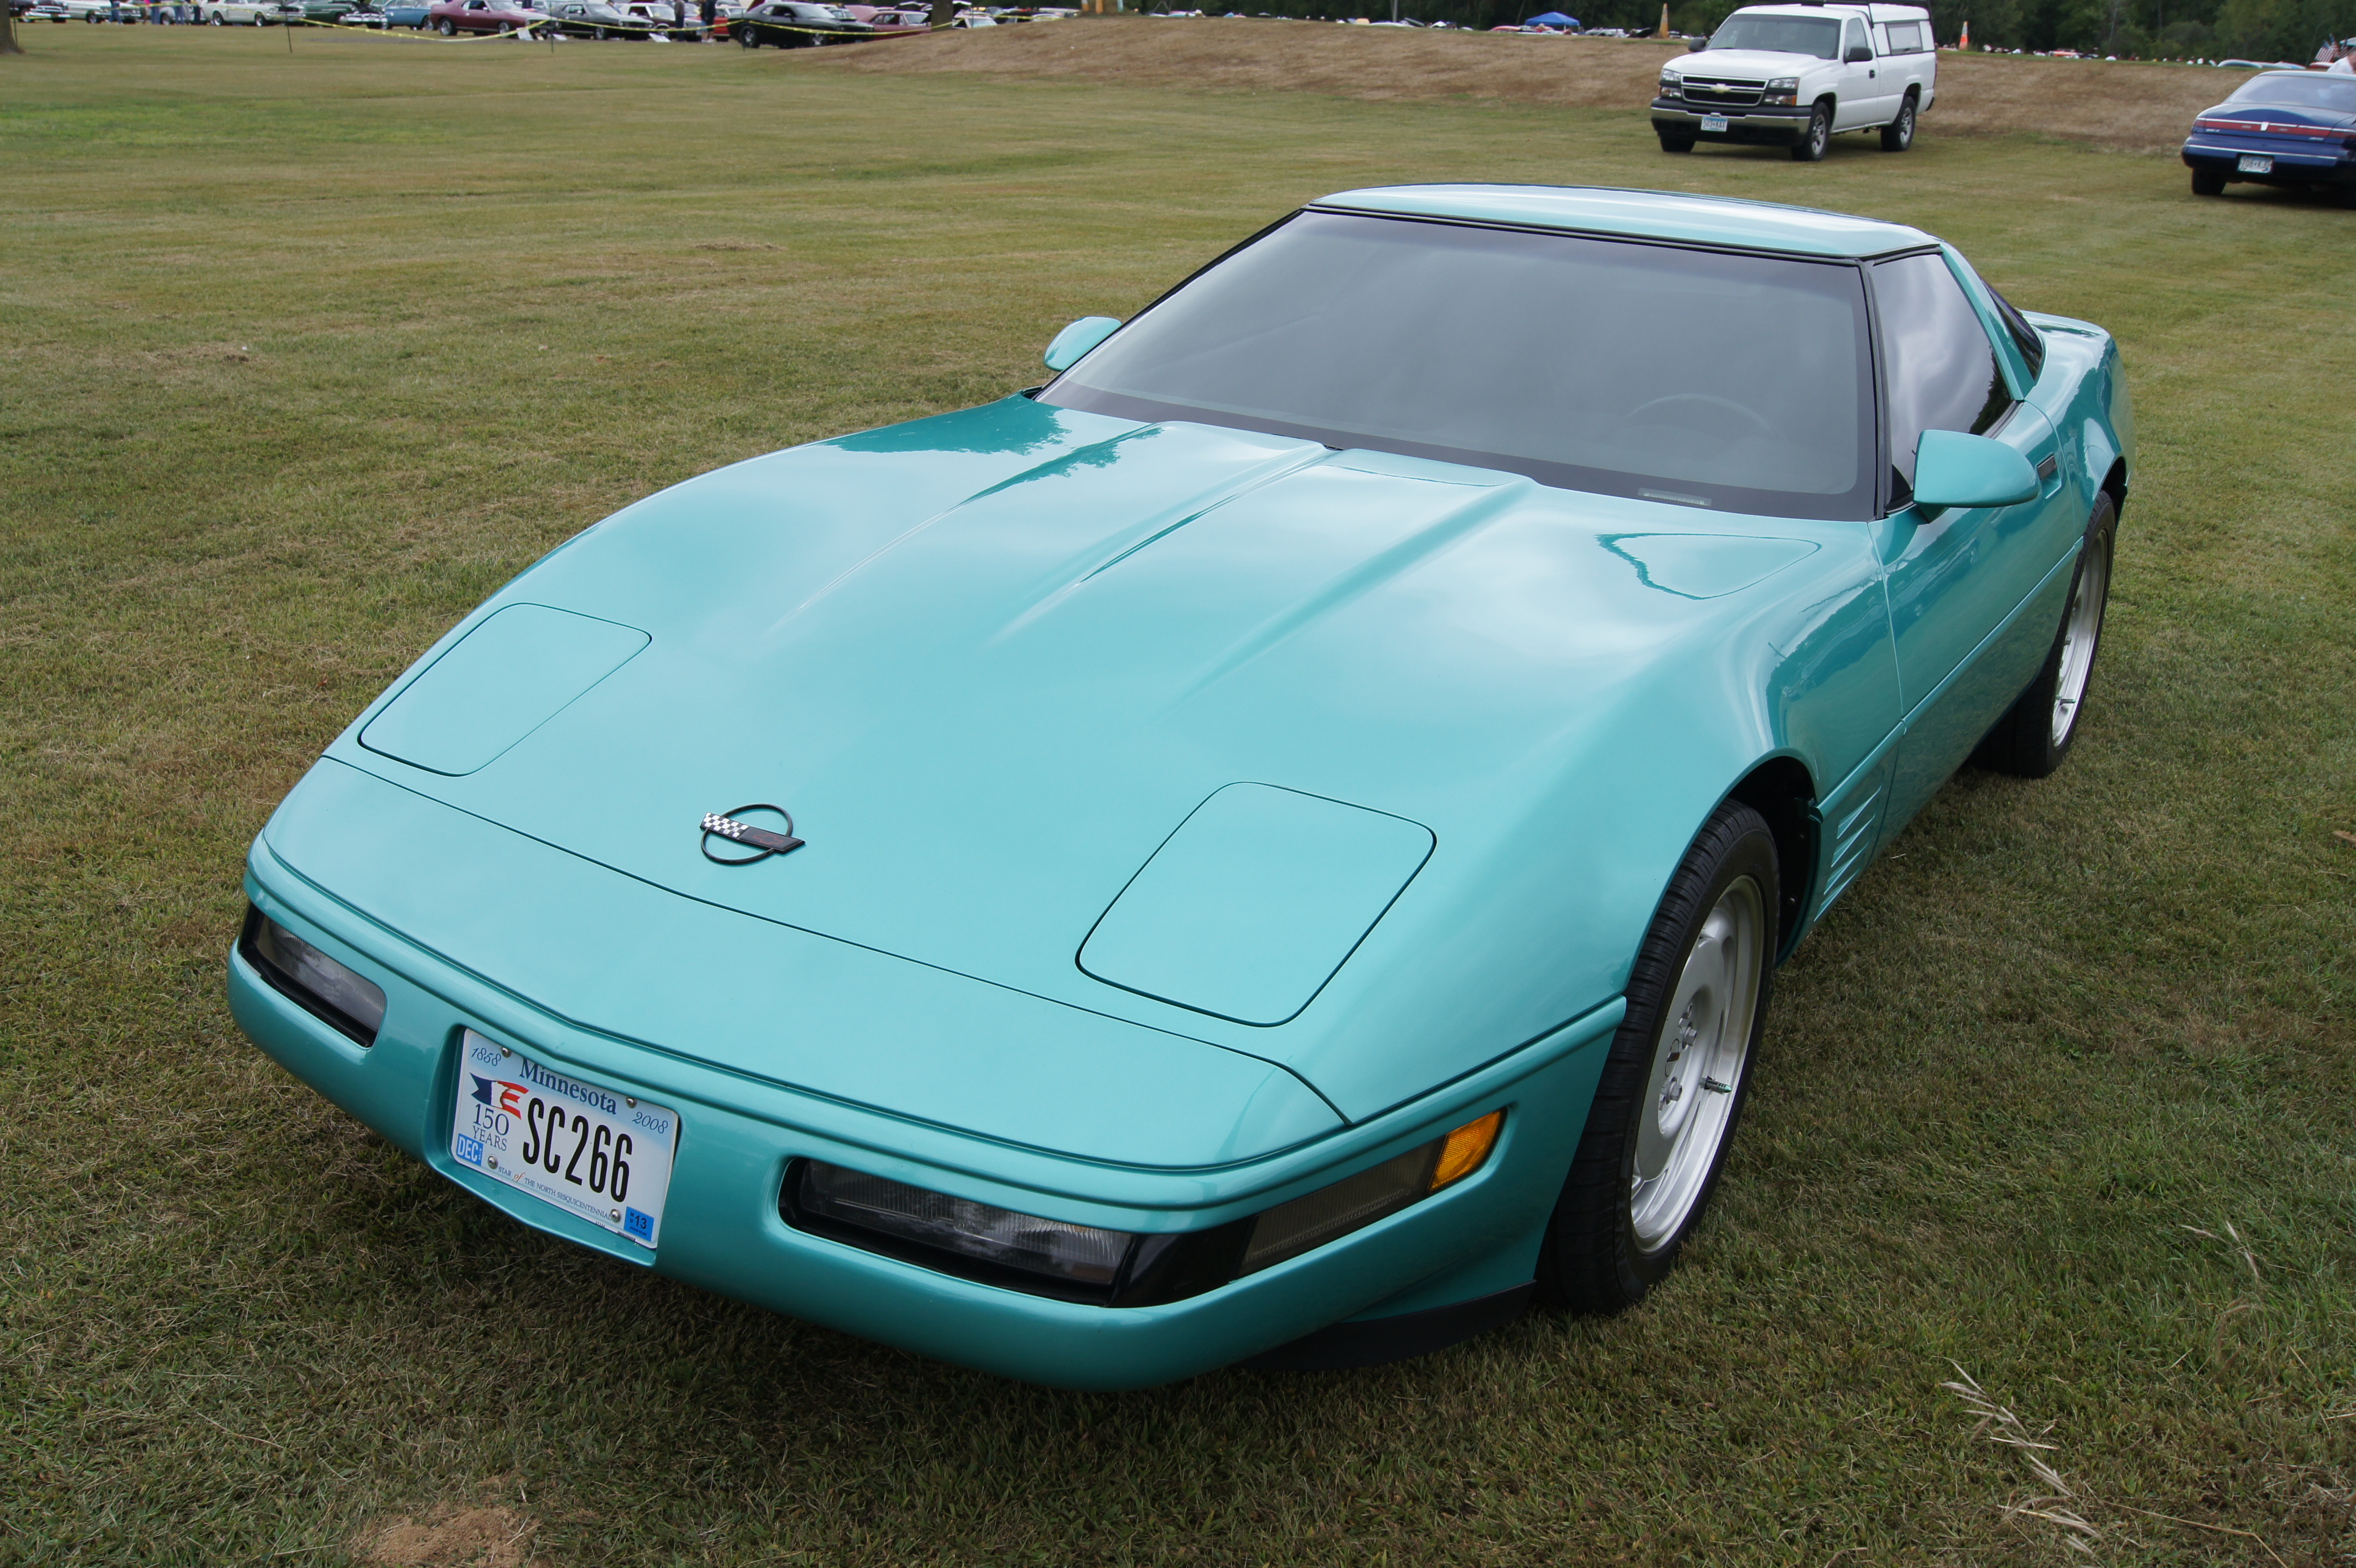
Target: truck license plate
{"points": [[1718, 123], [2254, 163]]}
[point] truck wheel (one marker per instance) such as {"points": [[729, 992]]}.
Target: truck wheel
{"points": [[1811, 147], [1675, 144], [2208, 182], [1899, 134]]}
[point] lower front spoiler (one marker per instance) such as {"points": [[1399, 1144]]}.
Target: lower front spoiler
{"points": [[1763, 127], [1436, 1272], [2292, 169]]}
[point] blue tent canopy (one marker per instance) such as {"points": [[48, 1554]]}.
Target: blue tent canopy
{"points": [[1551, 19]]}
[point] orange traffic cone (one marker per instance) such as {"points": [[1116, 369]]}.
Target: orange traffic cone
{"points": [[1965, 44], [1664, 21]]}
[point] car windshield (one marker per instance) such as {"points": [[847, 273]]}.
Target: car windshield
{"points": [[1697, 377], [2300, 90], [1817, 36]]}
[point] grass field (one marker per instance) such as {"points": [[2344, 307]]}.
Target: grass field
{"points": [[307, 344]]}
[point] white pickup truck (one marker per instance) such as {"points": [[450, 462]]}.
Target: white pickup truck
{"points": [[1795, 75]]}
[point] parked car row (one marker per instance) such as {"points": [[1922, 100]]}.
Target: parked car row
{"points": [[781, 24]]}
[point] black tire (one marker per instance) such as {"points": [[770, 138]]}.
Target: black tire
{"points": [[1899, 134], [2037, 731], [447, 27], [747, 36], [1675, 144], [1810, 148], [1601, 1253], [2208, 182]]}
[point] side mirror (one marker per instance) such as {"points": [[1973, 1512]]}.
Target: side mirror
{"points": [[1077, 338], [1955, 469], [1694, 46], [1858, 54]]}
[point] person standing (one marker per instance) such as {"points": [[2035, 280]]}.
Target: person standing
{"points": [[711, 14]]}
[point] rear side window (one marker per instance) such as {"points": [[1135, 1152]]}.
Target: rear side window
{"points": [[1905, 37], [1938, 366]]}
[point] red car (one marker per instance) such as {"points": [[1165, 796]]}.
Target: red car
{"points": [[451, 17]]}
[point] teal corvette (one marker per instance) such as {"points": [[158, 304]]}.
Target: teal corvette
{"points": [[1271, 846]]}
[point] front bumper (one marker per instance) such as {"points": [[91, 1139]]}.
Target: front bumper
{"points": [[722, 1230], [2293, 166], [1773, 124]]}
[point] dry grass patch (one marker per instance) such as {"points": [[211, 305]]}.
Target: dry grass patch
{"points": [[491, 1537], [2120, 105]]}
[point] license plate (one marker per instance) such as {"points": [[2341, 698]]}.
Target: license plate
{"points": [[1713, 122], [2254, 163], [591, 1152]]}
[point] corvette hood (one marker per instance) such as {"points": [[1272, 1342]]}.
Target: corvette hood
{"points": [[991, 661]]}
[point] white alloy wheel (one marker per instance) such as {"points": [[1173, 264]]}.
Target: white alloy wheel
{"points": [[2079, 632], [1698, 1063]]}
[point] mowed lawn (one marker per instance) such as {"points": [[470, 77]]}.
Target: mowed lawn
{"points": [[309, 344]]}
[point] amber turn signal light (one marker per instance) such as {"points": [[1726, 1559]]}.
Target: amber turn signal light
{"points": [[1464, 1149]]}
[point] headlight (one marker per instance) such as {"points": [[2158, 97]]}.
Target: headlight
{"points": [[1113, 1268], [1671, 84], [1783, 89], [311, 978]]}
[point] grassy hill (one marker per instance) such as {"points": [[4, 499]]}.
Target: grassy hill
{"points": [[2121, 104]]}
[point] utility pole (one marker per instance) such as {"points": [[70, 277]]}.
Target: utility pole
{"points": [[8, 44]]}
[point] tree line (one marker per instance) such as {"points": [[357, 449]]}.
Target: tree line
{"points": [[2146, 30]]}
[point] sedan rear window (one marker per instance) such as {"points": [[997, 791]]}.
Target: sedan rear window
{"points": [[1815, 36], [1701, 378], [2299, 90]]}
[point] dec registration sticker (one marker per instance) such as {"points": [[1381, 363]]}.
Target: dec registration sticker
{"points": [[591, 1152]]}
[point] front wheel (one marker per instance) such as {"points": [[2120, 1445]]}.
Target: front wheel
{"points": [[1811, 147], [2208, 182], [1899, 134], [1673, 1084], [744, 36], [447, 28], [2037, 731]]}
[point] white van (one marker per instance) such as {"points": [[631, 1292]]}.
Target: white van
{"points": [[1797, 75]]}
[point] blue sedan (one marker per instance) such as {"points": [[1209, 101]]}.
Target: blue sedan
{"points": [[1274, 845], [2280, 127]]}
